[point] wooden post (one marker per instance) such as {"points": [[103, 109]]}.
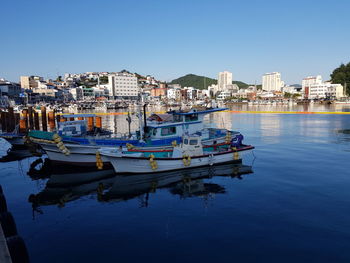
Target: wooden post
{"points": [[90, 123], [51, 119], [43, 118], [36, 121], [7, 122], [3, 121], [99, 122], [17, 119], [25, 118], [11, 120], [22, 126], [31, 121]]}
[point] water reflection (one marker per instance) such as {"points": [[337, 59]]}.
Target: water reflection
{"points": [[185, 183]]}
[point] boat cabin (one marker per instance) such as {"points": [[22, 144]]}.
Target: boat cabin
{"points": [[176, 123], [191, 146]]}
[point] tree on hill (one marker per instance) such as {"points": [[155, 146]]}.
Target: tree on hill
{"points": [[201, 82], [341, 75]]}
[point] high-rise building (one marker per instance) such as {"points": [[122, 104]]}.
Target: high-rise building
{"points": [[123, 85], [272, 81], [24, 80], [224, 79]]}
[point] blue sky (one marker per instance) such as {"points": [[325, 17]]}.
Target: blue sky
{"points": [[169, 39]]}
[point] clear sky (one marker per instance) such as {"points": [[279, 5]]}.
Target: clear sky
{"points": [[168, 39]]}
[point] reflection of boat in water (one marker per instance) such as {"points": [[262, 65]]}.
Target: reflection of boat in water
{"points": [[129, 186], [59, 195], [185, 183], [66, 175]]}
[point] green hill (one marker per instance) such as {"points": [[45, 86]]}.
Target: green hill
{"points": [[201, 82]]}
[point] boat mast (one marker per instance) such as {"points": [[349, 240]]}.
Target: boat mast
{"points": [[140, 117]]}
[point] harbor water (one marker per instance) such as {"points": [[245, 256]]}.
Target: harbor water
{"points": [[288, 203]]}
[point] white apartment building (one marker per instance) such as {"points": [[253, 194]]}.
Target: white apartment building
{"points": [[311, 80], [272, 81], [174, 94], [224, 79], [325, 90], [123, 85]]}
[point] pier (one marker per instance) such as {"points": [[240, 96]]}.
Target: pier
{"points": [[4, 252]]}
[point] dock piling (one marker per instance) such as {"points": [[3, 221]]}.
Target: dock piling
{"points": [[43, 118]]}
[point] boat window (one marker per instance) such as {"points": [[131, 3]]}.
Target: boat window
{"points": [[193, 142], [154, 132], [168, 131], [177, 118], [71, 129], [192, 117], [186, 141]]}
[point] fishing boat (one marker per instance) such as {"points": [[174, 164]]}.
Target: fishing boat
{"points": [[78, 146], [188, 154]]}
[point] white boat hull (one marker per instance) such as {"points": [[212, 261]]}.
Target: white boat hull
{"points": [[130, 164]]}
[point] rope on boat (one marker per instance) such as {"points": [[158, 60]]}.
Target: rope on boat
{"points": [[60, 145], [228, 137], [129, 146], [153, 162]]}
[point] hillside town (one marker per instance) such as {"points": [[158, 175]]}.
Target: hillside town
{"points": [[125, 86]]}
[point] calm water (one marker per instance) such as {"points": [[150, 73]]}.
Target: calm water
{"points": [[293, 207]]}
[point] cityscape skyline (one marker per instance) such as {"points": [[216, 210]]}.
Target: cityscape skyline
{"points": [[169, 40]]}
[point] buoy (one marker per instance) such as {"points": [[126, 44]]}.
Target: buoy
{"points": [[174, 143], [99, 162], [8, 224], [18, 250], [186, 160], [153, 162], [235, 153], [3, 204]]}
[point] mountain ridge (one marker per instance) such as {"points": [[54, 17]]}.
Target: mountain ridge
{"points": [[201, 82]]}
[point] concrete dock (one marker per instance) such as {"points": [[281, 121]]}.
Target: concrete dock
{"points": [[4, 252]]}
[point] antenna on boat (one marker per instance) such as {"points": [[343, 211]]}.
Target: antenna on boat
{"points": [[128, 119]]}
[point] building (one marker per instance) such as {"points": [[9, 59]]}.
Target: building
{"points": [[325, 90], [224, 79], [76, 93], [9, 89], [307, 82], [30, 82], [123, 85], [272, 81], [213, 90]]}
